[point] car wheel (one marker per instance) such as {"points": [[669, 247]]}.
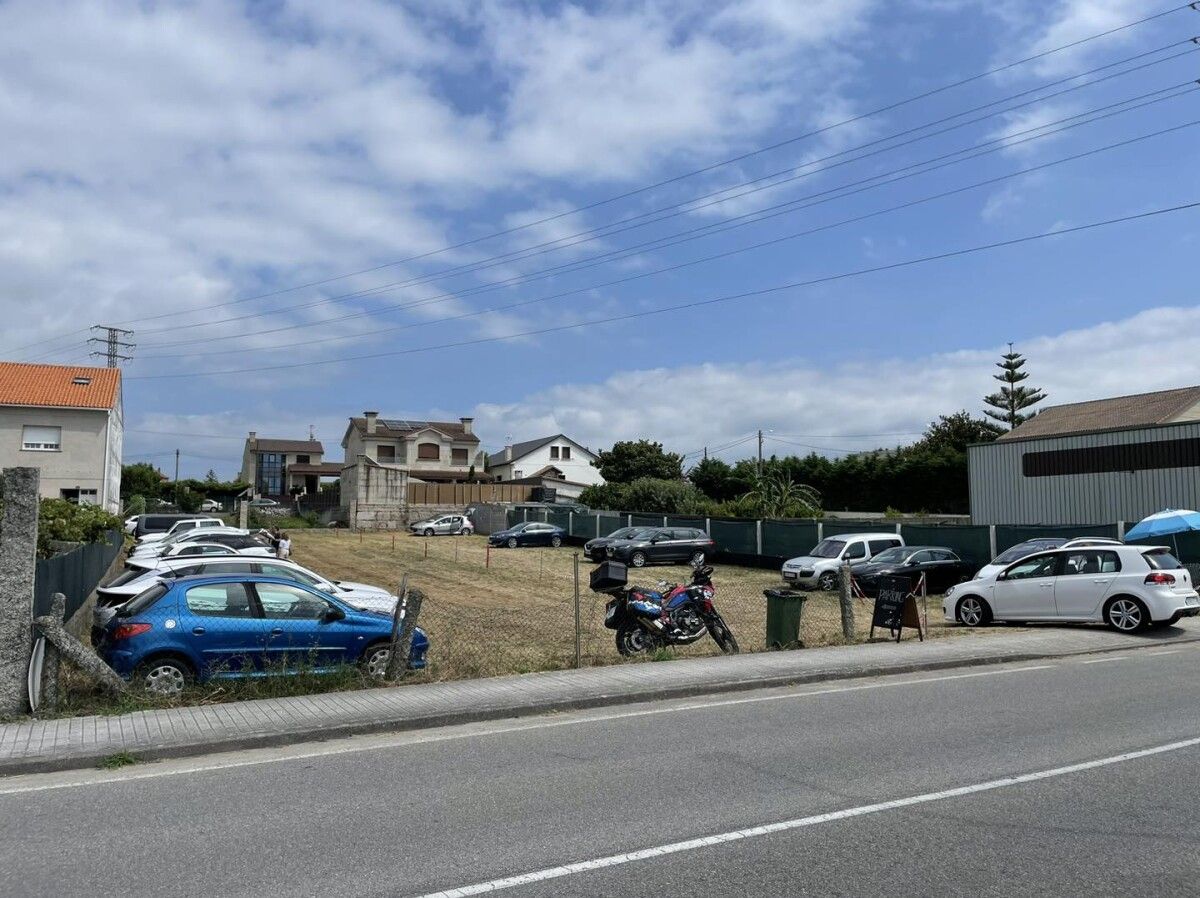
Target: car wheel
{"points": [[638, 559], [697, 559], [555, 541], [165, 676], [512, 542], [973, 612], [375, 660], [466, 531], [828, 581], [1126, 614], [429, 531]]}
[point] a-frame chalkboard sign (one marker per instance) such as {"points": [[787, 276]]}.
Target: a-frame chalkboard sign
{"points": [[896, 608]]}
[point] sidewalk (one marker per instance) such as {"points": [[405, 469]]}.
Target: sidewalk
{"points": [[38, 745]]}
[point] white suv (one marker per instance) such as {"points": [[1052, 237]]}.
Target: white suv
{"points": [[819, 568], [1127, 587]]}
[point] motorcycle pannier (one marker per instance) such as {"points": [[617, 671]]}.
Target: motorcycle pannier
{"points": [[609, 575]]}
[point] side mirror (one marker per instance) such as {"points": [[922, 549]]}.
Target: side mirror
{"points": [[333, 614]]}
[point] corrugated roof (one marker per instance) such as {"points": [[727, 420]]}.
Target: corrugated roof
{"points": [[1139, 410], [454, 430], [59, 386], [269, 445]]}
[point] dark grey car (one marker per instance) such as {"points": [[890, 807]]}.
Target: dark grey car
{"points": [[663, 545]]}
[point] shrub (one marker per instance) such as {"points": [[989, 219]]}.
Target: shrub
{"points": [[62, 521], [135, 506]]}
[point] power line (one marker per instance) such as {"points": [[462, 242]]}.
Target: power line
{"points": [[702, 230], [735, 159], [765, 291], [1006, 142], [703, 170]]}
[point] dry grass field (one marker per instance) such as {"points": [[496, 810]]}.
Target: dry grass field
{"points": [[513, 610]]}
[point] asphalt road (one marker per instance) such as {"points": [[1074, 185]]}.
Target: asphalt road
{"points": [[414, 814]]}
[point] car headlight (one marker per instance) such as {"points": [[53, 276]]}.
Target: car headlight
{"points": [[950, 592]]}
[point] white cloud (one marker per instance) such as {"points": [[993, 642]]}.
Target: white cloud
{"points": [[690, 407]]}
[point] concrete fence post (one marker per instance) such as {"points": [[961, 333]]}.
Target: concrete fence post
{"points": [[899, 532], [244, 514], [664, 520], [844, 600], [758, 537], [570, 523], [1120, 531], [992, 540], [820, 530], [628, 520], [597, 525], [18, 561], [708, 526]]}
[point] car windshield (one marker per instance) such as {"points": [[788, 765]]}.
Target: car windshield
{"points": [[893, 555], [1162, 560], [1020, 550], [519, 527], [828, 548], [143, 600], [623, 533]]}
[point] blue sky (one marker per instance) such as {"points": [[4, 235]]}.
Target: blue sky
{"points": [[167, 166]]}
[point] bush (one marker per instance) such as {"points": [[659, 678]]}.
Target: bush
{"points": [[648, 494], [62, 521], [135, 506]]}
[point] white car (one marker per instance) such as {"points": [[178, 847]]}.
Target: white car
{"points": [[181, 527], [249, 547], [444, 524], [819, 568], [1039, 544], [131, 524], [210, 505], [143, 549], [133, 581], [1127, 587]]}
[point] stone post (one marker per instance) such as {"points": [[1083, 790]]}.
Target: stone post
{"points": [[18, 556], [243, 514], [846, 604]]}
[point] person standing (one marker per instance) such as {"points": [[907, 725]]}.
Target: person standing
{"points": [[284, 548]]}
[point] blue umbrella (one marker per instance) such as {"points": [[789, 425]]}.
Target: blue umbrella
{"points": [[1166, 523]]}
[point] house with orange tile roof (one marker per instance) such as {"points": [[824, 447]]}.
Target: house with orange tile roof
{"points": [[67, 421]]}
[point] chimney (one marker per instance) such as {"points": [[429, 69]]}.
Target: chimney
{"points": [[253, 439], [508, 453], [468, 425], [371, 420]]}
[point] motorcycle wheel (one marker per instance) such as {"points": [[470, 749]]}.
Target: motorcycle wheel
{"points": [[634, 640], [723, 636]]}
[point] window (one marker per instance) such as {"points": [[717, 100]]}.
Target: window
{"points": [[944, 555], [1090, 562], [566, 453], [219, 600], [78, 496], [1037, 566], [879, 545], [921, 558], [233, 567], [268, 474], [291, 602], [1111, 459], [554, 453], [458, 456], [429, 451], [41, 439], [385, 454], [143, 600], [1161, 560], [302, 459], [856, 550], [285, 572]]}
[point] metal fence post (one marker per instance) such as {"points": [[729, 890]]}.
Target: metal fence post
{"points": [[570, 523], [597, 525], [758, 537], [845, 602], [18, 563], [578, 619], [992, 540]]}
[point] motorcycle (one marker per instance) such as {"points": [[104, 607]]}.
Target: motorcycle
{"points": [[648, 619]]}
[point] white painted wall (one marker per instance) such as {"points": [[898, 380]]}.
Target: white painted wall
{"points": [[90, 457], [577, 469]]}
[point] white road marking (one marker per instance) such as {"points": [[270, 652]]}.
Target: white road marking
{"points": [[1160, 654], [1107, 658], [44, 782], [615, 860]]}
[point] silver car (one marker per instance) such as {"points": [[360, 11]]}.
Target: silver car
{"points": [[446, 524]]}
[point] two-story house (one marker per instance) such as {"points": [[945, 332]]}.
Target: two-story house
{"points": [[280, 468], [556, 461], [68, 422], [430, 451]]}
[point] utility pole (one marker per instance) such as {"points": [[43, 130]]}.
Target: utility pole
{"points": [[760, 438], [114, 342], [706, 453], [177, 466]]}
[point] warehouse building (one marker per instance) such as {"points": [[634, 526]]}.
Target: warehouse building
{"points": [[1093, 462]]}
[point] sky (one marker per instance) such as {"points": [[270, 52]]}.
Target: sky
{"points": [[582, 217]]}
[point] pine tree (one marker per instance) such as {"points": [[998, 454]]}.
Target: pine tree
{"points": [[1013, 395]]}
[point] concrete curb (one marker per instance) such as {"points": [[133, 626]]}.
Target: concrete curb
{"points": [[535, 707]]}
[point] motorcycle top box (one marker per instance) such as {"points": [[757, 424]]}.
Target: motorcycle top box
{"points": [[608, 576]]}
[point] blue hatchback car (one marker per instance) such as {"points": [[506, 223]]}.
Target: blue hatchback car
{"points": [[201, 627]]}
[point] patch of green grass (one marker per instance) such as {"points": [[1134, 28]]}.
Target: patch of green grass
{"points": [[117, 761], [664, 654]]}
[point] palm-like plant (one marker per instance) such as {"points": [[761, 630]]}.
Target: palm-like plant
{"points": [[778, 496]]}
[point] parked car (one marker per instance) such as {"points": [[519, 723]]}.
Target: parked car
{"points": [[184, 536], [662, 545], [220, 544], [130, 524], [1040, 544], [444, 524], [941, 567], [528, 533], [594, 548], [181, 526], [1127, 587], [196, 628], [158, 523], [210, 505], [263, 503], [133, 581], [819, 568]]}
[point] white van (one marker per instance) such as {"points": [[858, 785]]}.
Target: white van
{"points": [[819, 568]]}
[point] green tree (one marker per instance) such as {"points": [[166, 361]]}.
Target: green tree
{"points": [[1013, 396], [631, 460], [188, 501], [714, 478], [141, 479], [211, 477], [776, 495], [957, 432]]}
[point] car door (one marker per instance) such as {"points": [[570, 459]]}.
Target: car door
{"points": [[856, 552], [223, 627], [662, 546], [920, 563], [941, 571], [299, 631], [1025, 590], [1083, 580]]}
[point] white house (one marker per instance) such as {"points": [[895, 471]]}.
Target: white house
{"points": [[68, 422], [555, 461]]}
